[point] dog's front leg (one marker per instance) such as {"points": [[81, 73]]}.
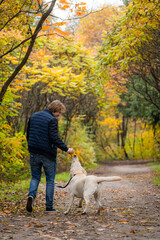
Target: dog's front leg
{"points": [[70, 204]]}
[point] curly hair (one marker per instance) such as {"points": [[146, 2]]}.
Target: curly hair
{"points": [[56, 106]]}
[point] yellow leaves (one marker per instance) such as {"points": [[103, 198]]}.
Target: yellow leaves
{"points": [[11, 146], [63, 80], [131, 30], [111, 122], [59, 79]]}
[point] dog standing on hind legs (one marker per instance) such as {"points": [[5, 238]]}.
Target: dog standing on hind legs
{"points": [[83, 186]]}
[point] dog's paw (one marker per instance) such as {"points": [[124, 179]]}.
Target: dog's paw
{"points": [[83, 213], [98, 212]]}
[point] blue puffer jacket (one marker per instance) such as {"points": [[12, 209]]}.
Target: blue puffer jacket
{"points": [[42, 135]]}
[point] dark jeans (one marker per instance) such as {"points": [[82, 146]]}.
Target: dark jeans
{"points": [[36, 162]]}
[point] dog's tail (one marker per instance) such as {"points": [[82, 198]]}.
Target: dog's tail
{"points": [[108, 179]]}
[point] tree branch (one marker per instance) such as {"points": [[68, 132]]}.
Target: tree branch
{"points": [[13, 16], [24, 60]]}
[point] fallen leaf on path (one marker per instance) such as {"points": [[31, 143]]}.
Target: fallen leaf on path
{"points": [[5, 223], [47, 236], [123, 221], [69, 223], [100, 229], [102, 208], [28, 225], [38, 225], [55, 223]]}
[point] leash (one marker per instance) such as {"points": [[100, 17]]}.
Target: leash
{"points": [[67, 183]]}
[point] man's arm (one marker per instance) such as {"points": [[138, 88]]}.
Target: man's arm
{"points": [[28, 126], [54, 137]]}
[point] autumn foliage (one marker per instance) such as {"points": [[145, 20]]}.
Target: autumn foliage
{"points": [[107, 75]]}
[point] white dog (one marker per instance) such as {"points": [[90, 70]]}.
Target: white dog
{"points": [[83, 186]]}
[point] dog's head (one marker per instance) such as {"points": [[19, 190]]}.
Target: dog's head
{"points": [[76, 167], [74, 158]]}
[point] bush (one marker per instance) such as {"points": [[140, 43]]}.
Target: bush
{"points": [[12, 155], [81, 141], [147, 144], [13, 150]]}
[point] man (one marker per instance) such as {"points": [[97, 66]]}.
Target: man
{"points": [[43, 141]]}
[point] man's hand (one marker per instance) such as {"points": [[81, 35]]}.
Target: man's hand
{"points": [[70, 151]]}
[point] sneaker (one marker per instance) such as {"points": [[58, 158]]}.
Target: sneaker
{"points": [[30, 204], [50, 209]]}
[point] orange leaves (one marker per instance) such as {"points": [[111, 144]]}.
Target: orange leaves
{"points": [[61, 32], [45, 27], [51, 29], [80, 8], [39, 2], [47, 21], [79, 13], [63, 4], [91, 28], [59, 24], [123, 221]]}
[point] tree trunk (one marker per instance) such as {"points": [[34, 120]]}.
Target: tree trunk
{"points": [[134, 140], [24, 60], [124, 134]]}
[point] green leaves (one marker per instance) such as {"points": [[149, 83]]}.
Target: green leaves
{"points": [[130, 31]]}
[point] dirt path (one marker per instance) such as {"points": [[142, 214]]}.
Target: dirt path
{"points": [[131, 210]]}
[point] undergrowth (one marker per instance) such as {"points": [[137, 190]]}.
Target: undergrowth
{"points": [[156, 176], [16, 191]]}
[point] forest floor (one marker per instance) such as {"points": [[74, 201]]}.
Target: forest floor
{"points": [[131, 210]]}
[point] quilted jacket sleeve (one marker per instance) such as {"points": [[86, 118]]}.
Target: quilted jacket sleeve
{"points": [[28, 126], [53, 135]]}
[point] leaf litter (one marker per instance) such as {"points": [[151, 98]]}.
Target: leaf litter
{"points": [[130, 208]]}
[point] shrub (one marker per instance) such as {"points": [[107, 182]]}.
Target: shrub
{"points": [[81, 141]]}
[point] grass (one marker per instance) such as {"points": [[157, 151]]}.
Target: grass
{"points": [[10, 191], [13, 191], [156, 177], [62, 177], [16, 191]]}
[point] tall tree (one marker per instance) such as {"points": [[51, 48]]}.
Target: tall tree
{"points": [[133, 48], [90, 29], [67, 72], [28, 18]]}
